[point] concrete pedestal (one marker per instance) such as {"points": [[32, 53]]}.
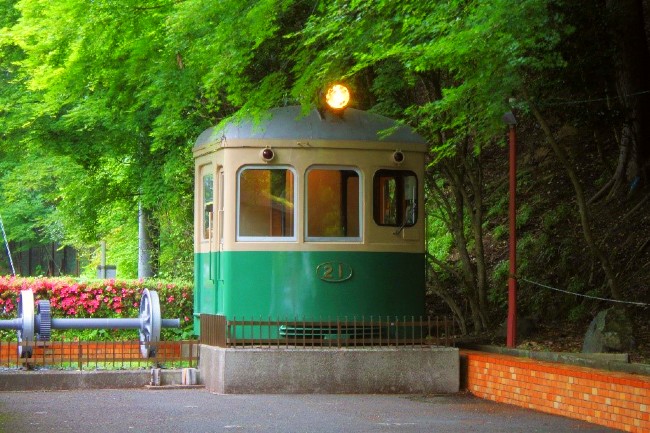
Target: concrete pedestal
{"points": [[325, 371]]}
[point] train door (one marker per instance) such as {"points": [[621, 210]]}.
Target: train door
{"points": [[218, 246], [207, 298]]}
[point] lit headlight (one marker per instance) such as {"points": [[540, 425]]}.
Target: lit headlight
{"points": [[337, 97]]}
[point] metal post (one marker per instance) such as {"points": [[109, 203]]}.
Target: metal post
{"points": [[102, 260], [144, 244], [511, 336]]}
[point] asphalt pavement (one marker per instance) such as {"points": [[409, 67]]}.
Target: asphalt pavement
{"points": [[194, 411]]}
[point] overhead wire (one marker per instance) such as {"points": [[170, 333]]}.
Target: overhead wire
{"points": [[585, 101], [4, 235], [640, 304]]}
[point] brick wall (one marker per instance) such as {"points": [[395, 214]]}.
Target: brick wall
{"points": [[616, 400]]}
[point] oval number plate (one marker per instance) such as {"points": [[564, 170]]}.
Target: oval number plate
{"points": [[334, 272]]}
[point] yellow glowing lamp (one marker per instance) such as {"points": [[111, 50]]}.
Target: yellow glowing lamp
{"points": [[337, 97]]}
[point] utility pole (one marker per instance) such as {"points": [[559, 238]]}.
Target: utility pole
{"points": [[511, 336]]}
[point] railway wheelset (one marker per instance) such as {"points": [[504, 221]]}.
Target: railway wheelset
{"points": [[35, 323]]}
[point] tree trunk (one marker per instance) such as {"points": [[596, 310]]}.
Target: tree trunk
{"points": [[145, 268], [629, 33], [470, 278], [582, 203], [453, 217], [473, 277], [475, 202], [437, 287], [616, 182]]}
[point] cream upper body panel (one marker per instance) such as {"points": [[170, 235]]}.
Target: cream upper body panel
{"points": [[354, 141]]}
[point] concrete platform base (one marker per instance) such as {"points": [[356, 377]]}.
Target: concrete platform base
{"points": [[331, 371]]}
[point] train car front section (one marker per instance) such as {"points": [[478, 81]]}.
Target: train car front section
{"points": [[310, 218]]}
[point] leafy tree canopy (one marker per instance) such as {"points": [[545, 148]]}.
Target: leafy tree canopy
{"points": [[113, 93]]}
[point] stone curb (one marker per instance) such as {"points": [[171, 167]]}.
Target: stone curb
{"points": [[48, 380], [603, 361]]}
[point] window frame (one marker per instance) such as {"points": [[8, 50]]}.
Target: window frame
{"points": [[243, 238], [207, 218], [400, 190], [338, 168]]}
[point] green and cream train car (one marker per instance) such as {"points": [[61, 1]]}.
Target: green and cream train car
{"points": [[309, 217]]}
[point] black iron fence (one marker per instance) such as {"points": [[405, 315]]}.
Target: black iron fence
{"points": [[109, 355], [217, 330]]}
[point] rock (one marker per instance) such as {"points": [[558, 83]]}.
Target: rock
{"points": [[610, 331]]}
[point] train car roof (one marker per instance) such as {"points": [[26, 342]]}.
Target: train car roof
{"points": [[289, 123]]}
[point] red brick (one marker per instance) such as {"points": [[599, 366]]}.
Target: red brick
{"points": [[562, 389], [623, 419], [629, 404]]}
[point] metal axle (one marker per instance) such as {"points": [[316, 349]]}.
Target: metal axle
{"points": [[108, 323], [11, 324]]}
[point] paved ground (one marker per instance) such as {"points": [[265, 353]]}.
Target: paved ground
{"points": [[190, 411]]}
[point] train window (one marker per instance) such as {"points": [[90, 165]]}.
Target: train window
{"points": [[265, 205], [395, 195], [208, 199], [333, 204]]}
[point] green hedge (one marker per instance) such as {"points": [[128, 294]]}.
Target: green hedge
{"points": [[100, 299]]}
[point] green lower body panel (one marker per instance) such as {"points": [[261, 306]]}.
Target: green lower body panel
{"points": [[313, 285]]}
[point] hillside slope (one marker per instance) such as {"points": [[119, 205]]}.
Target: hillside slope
{"points": [[552, 253]]}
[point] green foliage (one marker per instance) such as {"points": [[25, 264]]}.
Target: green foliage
{"points": [[439, 240], [578, 313], [533, 249], [100, 101], [29, 209], [556, 217], [499, 207], [524, 213], [86, 68], [500, 232], [498, 293]]}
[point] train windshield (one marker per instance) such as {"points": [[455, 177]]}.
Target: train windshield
{"points": [[333, 204], [265, 205], [395, 198]]}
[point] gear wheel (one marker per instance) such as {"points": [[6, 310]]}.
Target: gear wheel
{"points": [[44, 320]]}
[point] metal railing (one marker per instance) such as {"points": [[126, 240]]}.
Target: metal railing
{"points": [[109, 355], [217, 330]]}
